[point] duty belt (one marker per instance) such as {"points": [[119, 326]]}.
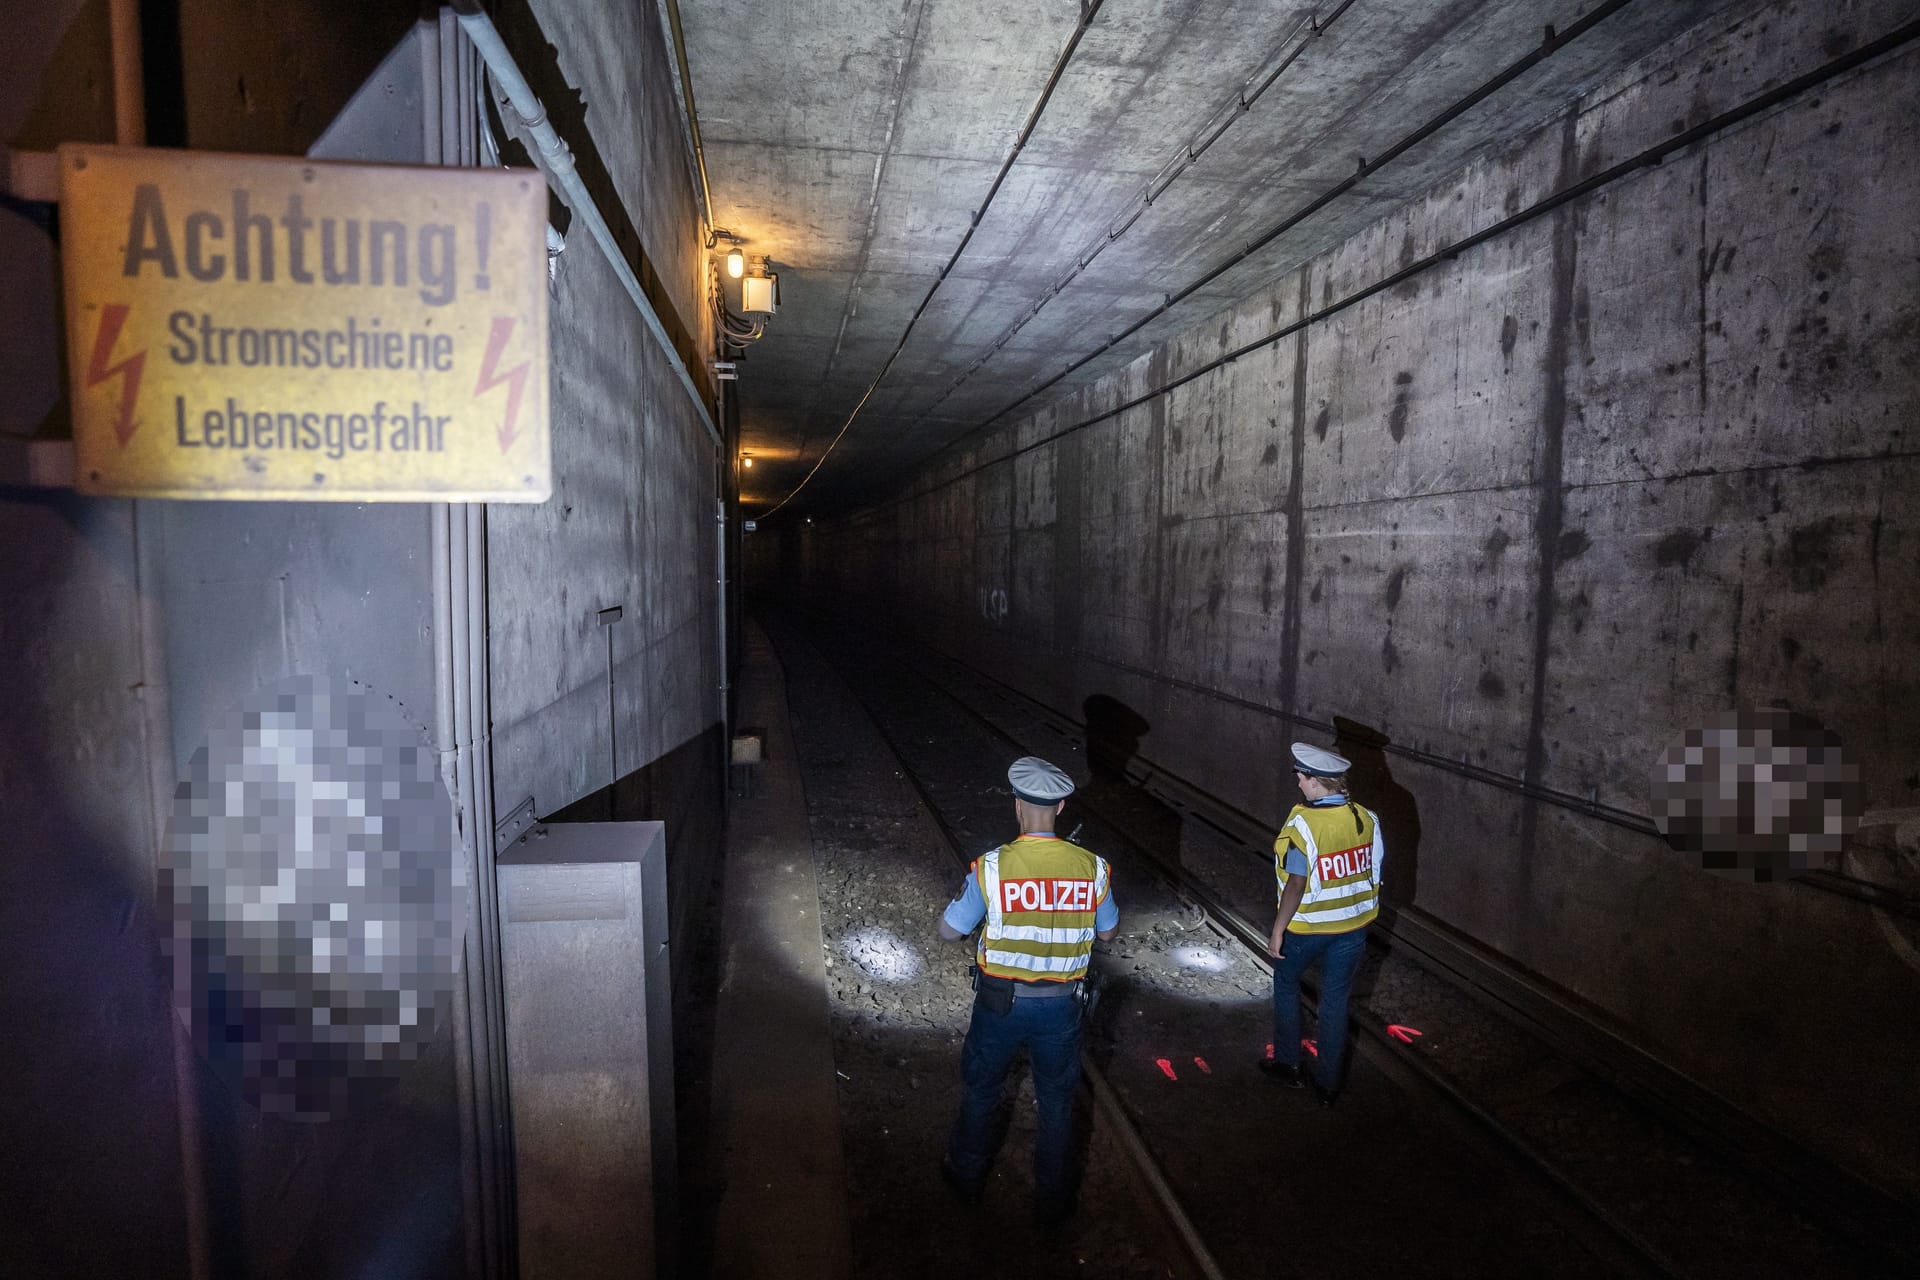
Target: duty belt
{"points": [[1042, 990]]}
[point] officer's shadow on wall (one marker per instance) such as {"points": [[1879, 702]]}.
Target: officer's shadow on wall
{"points": [[1114, 733], [1374, 786]]}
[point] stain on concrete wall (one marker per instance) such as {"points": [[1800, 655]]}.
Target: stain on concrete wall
{"points": [[1537, 511]]}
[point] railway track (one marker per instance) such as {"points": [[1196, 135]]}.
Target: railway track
{"points": [[893, 690], [1199, 1260]]}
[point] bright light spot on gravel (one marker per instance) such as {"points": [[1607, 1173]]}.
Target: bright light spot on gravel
{"points": [[1200, 958], [881, 956]]}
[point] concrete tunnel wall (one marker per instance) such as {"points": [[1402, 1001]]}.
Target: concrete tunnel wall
{"points": [[1541, 508], [244, 594]]}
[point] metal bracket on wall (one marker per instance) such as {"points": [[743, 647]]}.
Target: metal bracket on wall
{"points": [[514, 825]]}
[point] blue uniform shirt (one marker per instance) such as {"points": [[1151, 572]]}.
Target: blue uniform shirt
{"points": [[965, 912]]}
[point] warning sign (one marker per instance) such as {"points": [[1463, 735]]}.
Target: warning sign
{"points": [[258, 327]]}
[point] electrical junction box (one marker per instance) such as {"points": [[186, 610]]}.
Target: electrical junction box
{"points": [[760, 294]]}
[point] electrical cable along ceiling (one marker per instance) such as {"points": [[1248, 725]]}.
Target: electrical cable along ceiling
{"points": [[976, 206]]}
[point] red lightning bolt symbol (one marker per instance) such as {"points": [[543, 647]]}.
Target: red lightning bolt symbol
{"points": [[112, 317], [514, 378]]}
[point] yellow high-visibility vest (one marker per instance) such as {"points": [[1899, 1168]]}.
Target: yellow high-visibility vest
{"points": [[1041, 894], [1343, 850]]}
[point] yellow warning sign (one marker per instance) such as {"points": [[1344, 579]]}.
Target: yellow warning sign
{"points": [[261, 327]]}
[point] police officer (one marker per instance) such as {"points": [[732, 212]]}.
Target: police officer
{"points": [[1327, 861], [1043, 901]]}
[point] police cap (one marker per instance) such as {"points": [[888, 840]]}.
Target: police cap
{"points": [[1037, 782], [1318, 761]]}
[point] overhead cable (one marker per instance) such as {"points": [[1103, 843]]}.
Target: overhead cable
{"points": [[1653, 155], [1088, 10], [1287, 52], [1554, 42]]}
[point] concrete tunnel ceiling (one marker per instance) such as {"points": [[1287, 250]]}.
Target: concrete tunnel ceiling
{"points": [[851, 143]]}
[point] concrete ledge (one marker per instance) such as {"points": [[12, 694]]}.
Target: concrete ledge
{"points": [[776, 1108]]}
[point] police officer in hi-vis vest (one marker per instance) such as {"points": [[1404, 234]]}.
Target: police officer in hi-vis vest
{"points": [[1043, 902], [1327, 860]]}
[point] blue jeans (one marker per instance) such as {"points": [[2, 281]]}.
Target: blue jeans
{"points": [[1049, 1030], [1338, 954]]}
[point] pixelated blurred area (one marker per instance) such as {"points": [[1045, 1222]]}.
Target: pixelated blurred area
{"points": [[316, 894], [1759, 794]]}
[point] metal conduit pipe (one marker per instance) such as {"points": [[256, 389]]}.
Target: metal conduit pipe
{"points": [[467, 1074], [563, 177], [460, 135], [129, 74], [458, 572], [478, 746], [472, 1068], [471, 776], [556, 161], [689, 113]]}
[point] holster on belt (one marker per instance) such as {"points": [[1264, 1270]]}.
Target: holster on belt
{"points": [[990, 993]]}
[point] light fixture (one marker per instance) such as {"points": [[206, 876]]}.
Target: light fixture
{"points": [[746, 460], [736, 258]]}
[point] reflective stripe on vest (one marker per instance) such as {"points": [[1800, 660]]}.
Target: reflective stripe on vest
{"points": [[1041, 895], [1343, 866]]}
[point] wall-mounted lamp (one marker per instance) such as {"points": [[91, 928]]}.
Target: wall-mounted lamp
{"points": [[736, 259], [746, 460]]}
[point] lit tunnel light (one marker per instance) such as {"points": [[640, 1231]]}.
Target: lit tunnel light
{"points": [[881, 956]]}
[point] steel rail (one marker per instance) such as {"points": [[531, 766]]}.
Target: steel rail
{"points": [[1382, 1049]]}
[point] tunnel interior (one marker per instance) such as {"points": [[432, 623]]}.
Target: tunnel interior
{"points": [[1514, 397]]}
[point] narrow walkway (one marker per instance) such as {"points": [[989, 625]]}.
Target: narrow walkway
{"points": [[783, 1207]]}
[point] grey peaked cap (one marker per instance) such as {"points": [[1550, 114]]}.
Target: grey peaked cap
{"points": [[1318, 761], [1037, 782]]}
